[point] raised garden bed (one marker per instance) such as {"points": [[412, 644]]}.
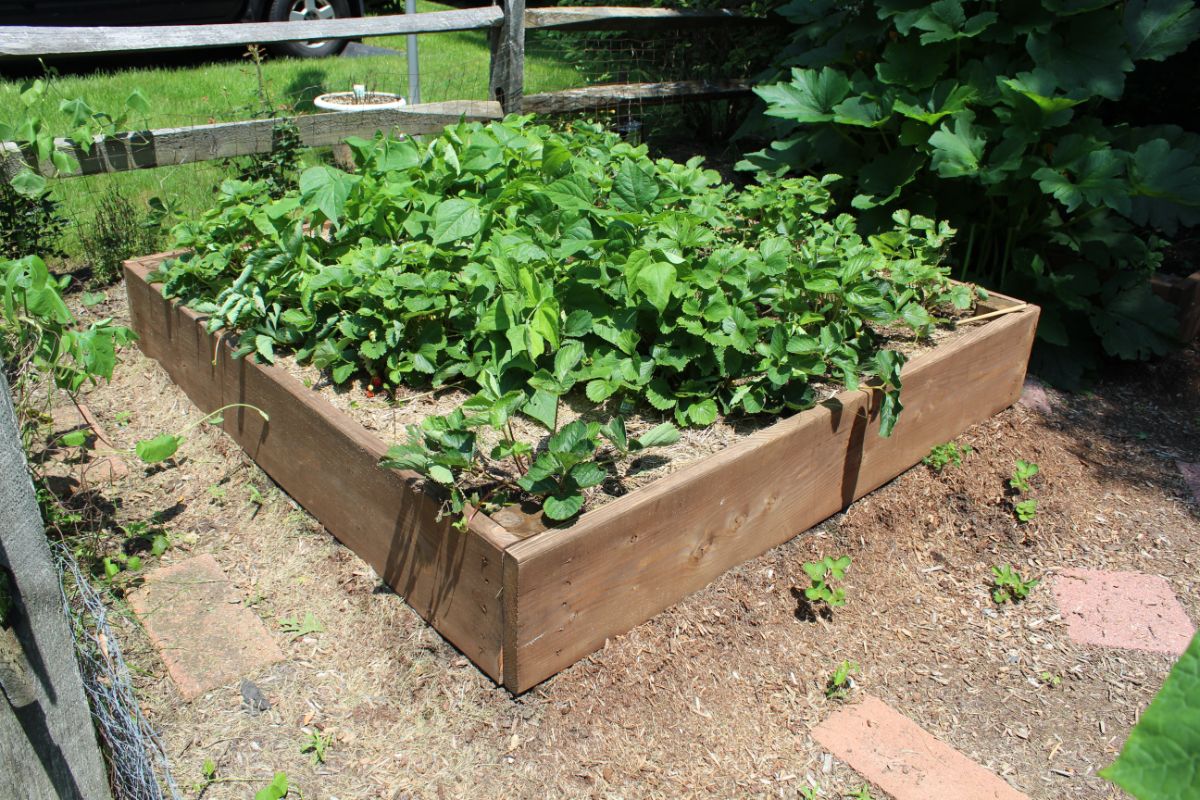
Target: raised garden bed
{"points": [[1183, 292], [523, 602]]}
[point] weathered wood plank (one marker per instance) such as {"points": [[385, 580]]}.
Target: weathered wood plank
{"points": [[506, 76], [47, 739], [601, 18], [330, 465], [612, 95], [172, 146], [21, 41], [571, 588]]}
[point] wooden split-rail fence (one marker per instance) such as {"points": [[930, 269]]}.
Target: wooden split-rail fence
{"points": [[506, 25]]}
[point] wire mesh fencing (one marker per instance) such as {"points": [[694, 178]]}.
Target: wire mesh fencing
{"points": [[136, 759]]}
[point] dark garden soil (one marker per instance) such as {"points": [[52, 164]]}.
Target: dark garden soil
{"points": [[716, 696]]}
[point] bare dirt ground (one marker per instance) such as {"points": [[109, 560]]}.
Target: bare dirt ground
{"points": [[716, 696]]}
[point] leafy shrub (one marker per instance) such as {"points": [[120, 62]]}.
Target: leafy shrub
{"points": [[530, 265], [40, 341], [29, 223], [116, 232], [280, 168], [991, 115]]}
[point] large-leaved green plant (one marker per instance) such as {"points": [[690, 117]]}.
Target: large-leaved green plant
{"points": [[997, 117]]}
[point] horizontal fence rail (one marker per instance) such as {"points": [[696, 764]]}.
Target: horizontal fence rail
{"points": [[596, 98], [602, 18], [19, 41], [172, 146], [28, 42]]}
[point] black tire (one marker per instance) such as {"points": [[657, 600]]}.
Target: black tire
{"points": [[281, 10]]}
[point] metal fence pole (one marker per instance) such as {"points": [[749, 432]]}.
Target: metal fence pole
{"points": [[414, 63]]}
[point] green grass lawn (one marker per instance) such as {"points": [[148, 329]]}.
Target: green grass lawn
{"points": [[454, 66]]}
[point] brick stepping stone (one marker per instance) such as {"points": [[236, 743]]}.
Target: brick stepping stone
{"points": [[897, 755], [205, 636], [1122, 609], [1191, 476], [1034, 396]]}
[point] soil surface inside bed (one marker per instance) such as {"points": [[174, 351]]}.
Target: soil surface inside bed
{"points": [[715, 697]]}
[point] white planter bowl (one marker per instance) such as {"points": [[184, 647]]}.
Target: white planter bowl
{"points": [[359, 101]]}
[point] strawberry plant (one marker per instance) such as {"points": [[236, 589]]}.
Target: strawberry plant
{"points": [[839, 684], [821, 575], [1009, 585], [1023, 471], [536, 267], [1000, 117], [943, 455]]}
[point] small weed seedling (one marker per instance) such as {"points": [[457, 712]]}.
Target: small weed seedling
{"points": [[840, 682], [316, 744], [1026, 510], [301, 628], [943, 455], [1050, 679], [864, 793], [810, 792], [1009, 585], [821, 574], [1022, 472]]}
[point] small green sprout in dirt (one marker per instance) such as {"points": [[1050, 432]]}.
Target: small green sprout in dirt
{"points": [[256, 497], [1009, 585], [217, 492], [276, 790], [943, 455], [208, 773], [810, 792], [839, 684], [300, 628], [1026, 510], [1022, 472], [822, 574], [117, 563], [1050, 679], [316, 744], [863, 793]]}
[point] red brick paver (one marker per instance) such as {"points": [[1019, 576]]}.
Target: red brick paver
{"points": [[894, 753], [1122, 609], [205, 636], [1035, 396]]}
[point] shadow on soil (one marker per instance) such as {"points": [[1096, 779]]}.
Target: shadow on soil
{"points": [[1138, 422]]}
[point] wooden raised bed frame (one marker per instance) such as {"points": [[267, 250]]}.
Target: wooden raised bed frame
{"points": [[523, 603]]}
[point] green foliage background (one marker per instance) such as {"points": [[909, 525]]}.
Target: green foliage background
{"points": [[997, 116]]}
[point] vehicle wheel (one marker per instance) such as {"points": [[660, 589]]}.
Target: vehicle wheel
{"points": [[295, 10]]}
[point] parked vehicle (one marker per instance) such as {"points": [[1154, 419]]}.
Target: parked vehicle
{"points": [[184, 12]]}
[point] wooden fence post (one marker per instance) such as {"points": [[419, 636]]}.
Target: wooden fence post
{"points": [[47, 741], [507, 79]]}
